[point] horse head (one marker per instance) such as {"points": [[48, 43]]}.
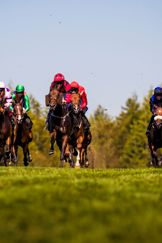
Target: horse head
{"points": [[55, 98], [18, 112], [158, 117], [75, 101]]}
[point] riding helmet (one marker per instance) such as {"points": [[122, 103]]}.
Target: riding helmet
{"points": [[2, 85], [20, 88], [75, 85], [59, 77], [158, 91]]}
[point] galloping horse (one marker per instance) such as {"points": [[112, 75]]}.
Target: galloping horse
{"points": [[78, 138], [60, 124], [5, 135], [22, 135], [155, 136]]}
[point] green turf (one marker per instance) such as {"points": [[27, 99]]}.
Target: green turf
{"points": [[78, 205]]}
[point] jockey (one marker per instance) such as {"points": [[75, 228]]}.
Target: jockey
{"points": [[19, 95], [76, 88], [62, 86], [5, 98], [155, 101], [6, 105]]}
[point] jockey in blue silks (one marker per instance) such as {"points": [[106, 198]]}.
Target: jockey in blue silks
{"points": [[155, 101]]}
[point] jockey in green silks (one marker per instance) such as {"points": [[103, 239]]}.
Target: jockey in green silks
{"points": [[20, 96]]}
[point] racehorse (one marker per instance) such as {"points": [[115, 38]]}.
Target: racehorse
{"points": [[22, 134], [155, 136], [60, 124], [78, 139], [5, 135]]}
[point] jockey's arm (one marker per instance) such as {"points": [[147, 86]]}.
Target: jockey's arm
{"points": [[84, 101], [152, 104], [8, 100], [26, 103]]}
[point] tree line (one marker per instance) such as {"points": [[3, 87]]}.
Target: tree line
{"points": [[116, 142]]}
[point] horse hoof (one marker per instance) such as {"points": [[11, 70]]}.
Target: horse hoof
{"points": [[51, 151], [72, 164], [26, 163], [77, 164], [62, 157], [14, 159], [61, 165], [75, 153], [86, 164], [30, 158]]}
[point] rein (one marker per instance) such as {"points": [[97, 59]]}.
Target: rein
{"points": [[61, 117]]}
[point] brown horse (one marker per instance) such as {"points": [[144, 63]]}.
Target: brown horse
{"points": [[5, 136], [79, 140], [155, 137], [59, 124], [22, 134]]}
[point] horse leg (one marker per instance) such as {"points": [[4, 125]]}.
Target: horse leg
{"points": [[8, 148], [71, 158], [63, 148], [14, 154], [14, 146], [25, 152], [29, 156], [153, 155], [77, 160], [52, 142]]}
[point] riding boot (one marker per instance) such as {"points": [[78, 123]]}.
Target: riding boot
{"points": [[47, 121], [149, 126], [12, 121], [86, 125], [30, 136]]}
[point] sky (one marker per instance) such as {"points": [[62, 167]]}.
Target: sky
{"points": [[111, 47]]}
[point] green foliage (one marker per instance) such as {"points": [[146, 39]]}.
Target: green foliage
{"points": [[122, 142], [102, 128]]}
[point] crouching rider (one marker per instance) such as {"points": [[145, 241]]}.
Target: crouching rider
{"points": [[155, 101], [76, 88], [6, 106], [20, 96], [59, 83]]}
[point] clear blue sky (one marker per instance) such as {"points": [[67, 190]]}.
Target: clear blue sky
{"points": [[112, 47]]}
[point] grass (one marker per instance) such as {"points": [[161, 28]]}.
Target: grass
{"points": [[80, 205]]}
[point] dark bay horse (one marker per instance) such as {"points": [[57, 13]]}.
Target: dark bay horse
{"points": [[78, 138], [60, 124], [155, 137], [5, 135], [22, 134]]}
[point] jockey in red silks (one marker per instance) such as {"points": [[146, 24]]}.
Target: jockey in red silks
{"points": [[62, 86], [75, 87]]}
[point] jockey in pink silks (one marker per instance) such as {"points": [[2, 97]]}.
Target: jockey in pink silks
{"points": [[5, 97]]}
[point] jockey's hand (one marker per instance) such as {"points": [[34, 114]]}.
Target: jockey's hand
{"points": [[63, 101], [69, 106], [1, 109], [85, 109], [24, 110]]}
